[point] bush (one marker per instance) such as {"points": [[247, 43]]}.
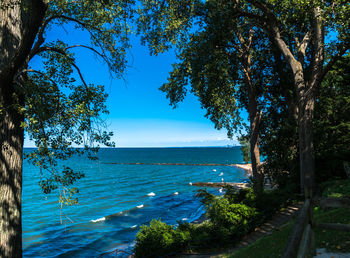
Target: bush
{"points": [[244, 196], [201, 235], [159, 239], [231, 218]]}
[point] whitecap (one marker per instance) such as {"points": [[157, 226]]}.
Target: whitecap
{"points": [[140, 206], [176, 193], [97, 220], [151, 194]]}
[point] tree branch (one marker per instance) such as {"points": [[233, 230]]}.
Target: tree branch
{"points": [[38, 72], [41, 39], [45, 76], [62, 52], [271, 28], [318, 50], [303, 45], [40, 36], [250, 39], [92, 49]]}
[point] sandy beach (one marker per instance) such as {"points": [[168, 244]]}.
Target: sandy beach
{"points": [[246, 167]]}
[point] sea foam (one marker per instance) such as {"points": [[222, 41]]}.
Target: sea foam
{"points": [[97, 220]]}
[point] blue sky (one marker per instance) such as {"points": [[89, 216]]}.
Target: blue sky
{"points": [[140, 115]]}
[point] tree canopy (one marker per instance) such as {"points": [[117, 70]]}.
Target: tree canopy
{"points": [[309, 36], [53, 104]]}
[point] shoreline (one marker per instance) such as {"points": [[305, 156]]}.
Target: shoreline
{"points": [[220, 185], [246, 167]]}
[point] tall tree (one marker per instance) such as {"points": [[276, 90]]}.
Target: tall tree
{"points": [[309, 23], [297, 28], [224, 60], [55, 105]]}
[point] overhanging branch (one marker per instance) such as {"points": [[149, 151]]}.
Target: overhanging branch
{"points": [[92, 49], [62, 52], [41, 39]]}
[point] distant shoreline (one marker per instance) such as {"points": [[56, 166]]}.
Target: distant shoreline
{"points": [[246, 167]]}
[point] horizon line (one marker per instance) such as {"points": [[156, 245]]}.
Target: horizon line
{"points": [[150, 147]]}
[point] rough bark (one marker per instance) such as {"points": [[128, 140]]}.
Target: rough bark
{"points": [[255, 117], [307, 158], [11, 140], [19, 24], [306, 100]]}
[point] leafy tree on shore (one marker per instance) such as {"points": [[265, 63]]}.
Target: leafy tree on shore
{"points": [[297, 28], [54, 105], [225, 61], [310, 22]]}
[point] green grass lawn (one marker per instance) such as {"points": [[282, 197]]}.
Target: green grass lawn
{"points": [[270, 246], [274, 244]]}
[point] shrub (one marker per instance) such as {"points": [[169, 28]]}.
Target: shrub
{"points": [[159, 239], [201, 235], [244, 196], [206, 198], [231, 218]]}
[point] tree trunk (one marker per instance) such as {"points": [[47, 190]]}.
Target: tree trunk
{"points": [[19, 24], [305, 93], [254, 114], [254, 117], [11, 141], [306, 100], [307, 158]]}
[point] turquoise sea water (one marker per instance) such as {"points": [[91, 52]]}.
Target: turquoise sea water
{"points": [[115, 199]]}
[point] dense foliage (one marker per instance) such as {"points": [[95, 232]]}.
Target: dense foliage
{"points": [[332, 123], [230, 217], [270, 40], [62, 110], [159, 239], [51, 101], [331, 130], [245, 149]]}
